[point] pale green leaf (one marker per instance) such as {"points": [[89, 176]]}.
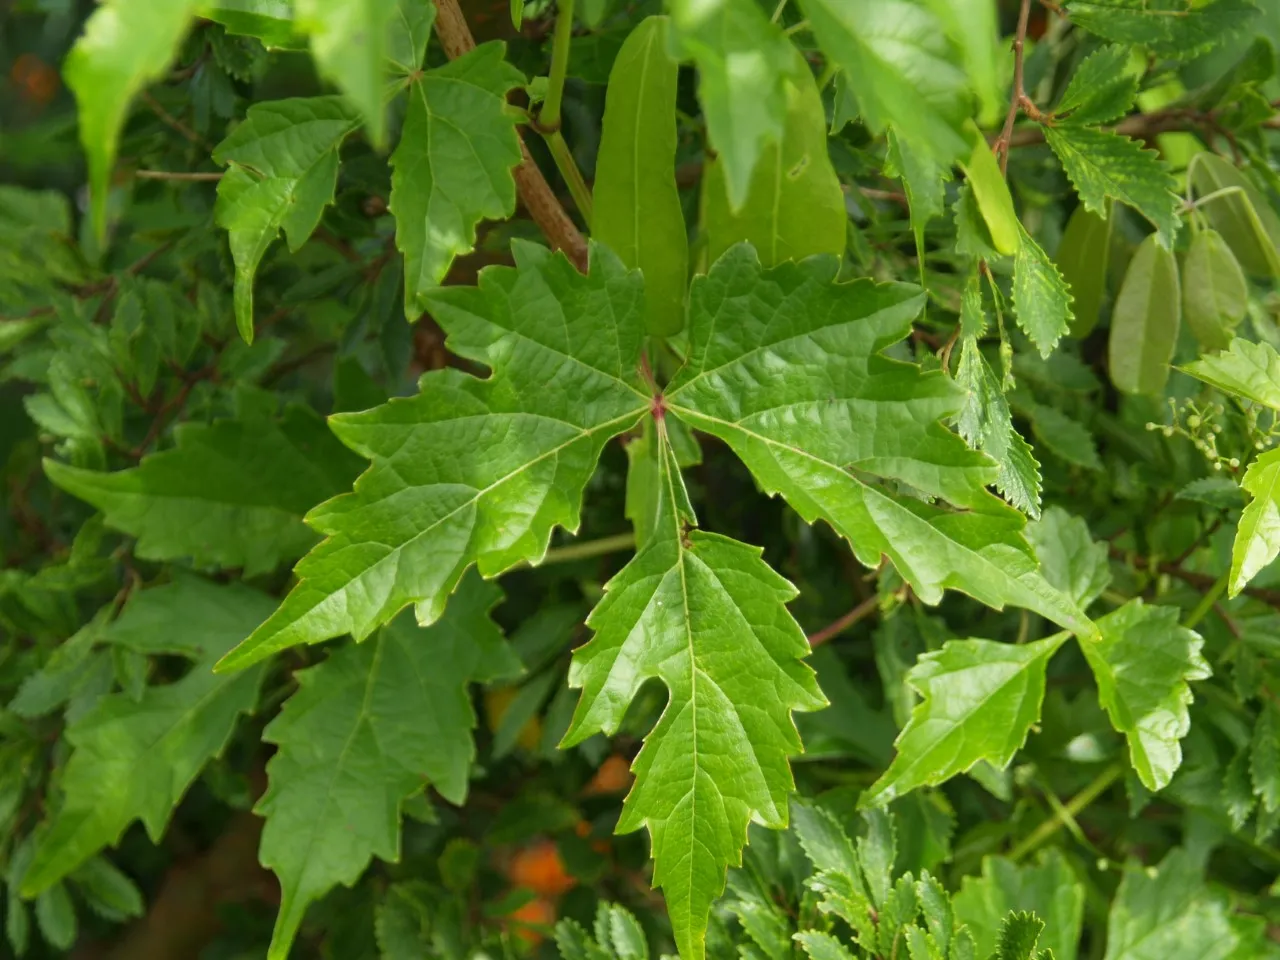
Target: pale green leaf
{"points": [[283, 166], [847, 424], [974, 26], [1102, 89], [1248, 370], [822, 946], [897, 58], [1143, 665], [742, 59], [134, 759], [706, 616], [979, 700], [1264, 757], [1243, 216], [1049, 889], [473, 470], [230, 494], [1041, 298], [1082, 258], [452, 167], [1166, 912], [365, 730], [270, 21], [637, 204], [349, 44], [1258, 535], [1070, 558], [1101, 165], [1145, 321], [1170, 28], [991, 191], [1215, 294], [126, 44], [794, 206]]}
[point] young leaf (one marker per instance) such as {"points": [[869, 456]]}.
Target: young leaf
{"points": [[473, 470], [1145, 321], [283, 166], [125, 45], [822, 946], [1170, 28], [706, 616], [845, 416], [134, 759], [230, 494], [1070, 558], [742, 59], [452, 166], [1018, 937], [1264, 758], [1143, 665], [794, 207], [895, 55], [349, 43], [637, 204], [1243, 217], [1258, 535], [1048, 889], [979, 700], [1041, 298], [1082, 258], [1167, 912], [1102, 165], [363, 732], [1101, 90], [991, 191], [1246, 369], [1215, 294]]}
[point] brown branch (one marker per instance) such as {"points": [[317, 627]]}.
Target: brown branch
{"points": [[1018, 96], [536, 194], [837, 627]]}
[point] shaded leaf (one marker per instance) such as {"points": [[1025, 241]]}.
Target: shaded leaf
{"points": [[1166, 911], [1070, 558], [1243, 216], [1145, 321], [1049, 889], [1082, 258], [1215, 294]]}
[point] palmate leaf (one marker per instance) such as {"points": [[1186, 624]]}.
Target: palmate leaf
{"points": [[364, 731], [471, 470], [706, 616]]}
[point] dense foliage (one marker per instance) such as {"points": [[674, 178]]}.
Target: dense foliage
{"points": [[585, 314]]}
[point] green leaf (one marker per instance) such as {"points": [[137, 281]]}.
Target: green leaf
{"points": [[1258, 535], [1237, 789], [1143, 666], [1243, 216], [1101, 90], [742, 59], [1264, 757], [1145, 321], [822, 946], [1070, 558], [1170, 28], [402, 922], [1101, 165], [270, 21], [1215, 294], [1018, 937], [126, 44], [1041, 298], [452, 167], [134, 759], [643, 463], [847, 424], [1049, 889], [108, 891], [56, 917], [895, 54], [1166, 911], [349, 43], [979, 700], [974, 26], [991, 191], [230, 494], [637, 204], [1065, 438], [283, 167], [794, 206], [363, 732], [473, 470], [1083, 258], [706, 616], [1246, 369], [408, 36], [924, 181]]}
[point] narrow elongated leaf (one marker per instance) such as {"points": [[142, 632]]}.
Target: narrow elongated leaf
{"points": [[991, 191], [1171, 28], [742, 59], [473, 470], [134, 759], [923, 179], [125, 45], [1264, 758], [1246, 369], [1082, 259], [1102, 165], [895, 54], [1102, 89], [1258, 536], [363, 732], [349, 43], [1145, 321], [1215, 294], [846, 421], [1143, 665], [1167, 912], [1041, 298], [979, 700], [706, 616], [231, 494], [1048, 889], [283, 166], [1243, 216], [452, 166], [637, 204], [794, 207]]}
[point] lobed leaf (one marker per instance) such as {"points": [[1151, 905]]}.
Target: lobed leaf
{"points": [[1245, 369]]}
